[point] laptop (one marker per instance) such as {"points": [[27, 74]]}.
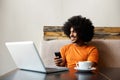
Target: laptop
{"points": [[26, 57]]}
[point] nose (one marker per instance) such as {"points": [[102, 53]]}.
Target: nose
{"points": [[71, 33]]}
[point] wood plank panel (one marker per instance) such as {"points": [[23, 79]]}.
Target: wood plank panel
{"points": [[55, 32]]}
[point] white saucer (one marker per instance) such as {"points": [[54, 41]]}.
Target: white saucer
{"points": [[85, 70]]}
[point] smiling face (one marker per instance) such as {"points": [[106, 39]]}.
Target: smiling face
{"points": [[73, 35]]}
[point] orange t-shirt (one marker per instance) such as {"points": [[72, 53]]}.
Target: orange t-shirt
{"points": [[73, 53]]}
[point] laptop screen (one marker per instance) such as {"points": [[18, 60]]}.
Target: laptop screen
{"points": [[25, 55]]}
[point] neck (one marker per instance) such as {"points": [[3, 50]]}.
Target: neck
{"points": [[80, 43]]}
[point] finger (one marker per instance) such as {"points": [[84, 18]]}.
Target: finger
{"points": [[56, 57]]}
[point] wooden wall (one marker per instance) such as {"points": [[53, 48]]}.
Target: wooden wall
{"points": [[55, 32]]}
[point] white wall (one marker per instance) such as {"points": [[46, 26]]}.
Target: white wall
{"points": [[24, 19], [102, 12]]}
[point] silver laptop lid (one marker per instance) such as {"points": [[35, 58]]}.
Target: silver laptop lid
{"points": [[26, 55]]}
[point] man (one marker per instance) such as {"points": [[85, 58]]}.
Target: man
{"points": [[80, 31]]}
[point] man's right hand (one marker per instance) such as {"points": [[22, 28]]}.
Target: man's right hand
{"points": [[58, 61]]}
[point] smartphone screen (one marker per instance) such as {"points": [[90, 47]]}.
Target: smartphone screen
{"points": [[58, 54]]}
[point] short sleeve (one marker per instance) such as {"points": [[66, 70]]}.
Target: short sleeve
{"points": [[93, 55]]}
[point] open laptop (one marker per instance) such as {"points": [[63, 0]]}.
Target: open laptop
{"points": [[26, 57]]}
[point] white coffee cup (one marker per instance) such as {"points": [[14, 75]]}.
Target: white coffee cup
{"points": [[84, 65]]}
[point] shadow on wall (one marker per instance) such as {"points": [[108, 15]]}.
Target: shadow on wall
{"points": [[105, 53]]}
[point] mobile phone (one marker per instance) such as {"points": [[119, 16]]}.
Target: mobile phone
{"points": [[58, 54]]}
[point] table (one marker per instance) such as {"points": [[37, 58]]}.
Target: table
{"points": [[102, 74]]}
